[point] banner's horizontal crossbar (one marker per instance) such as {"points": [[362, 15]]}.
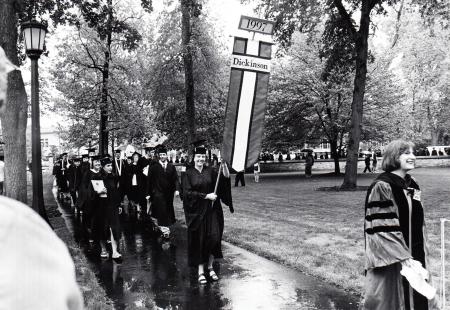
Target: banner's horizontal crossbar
{"points": [[242, 54], [250, 63]]}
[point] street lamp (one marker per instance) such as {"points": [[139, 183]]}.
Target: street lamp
{"points": [[34, 35]]}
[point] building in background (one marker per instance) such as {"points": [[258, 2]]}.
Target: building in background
{"points": [[51, 141]]}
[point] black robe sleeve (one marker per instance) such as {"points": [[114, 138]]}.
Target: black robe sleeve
{"points": [[224, 191], [175, 179]]}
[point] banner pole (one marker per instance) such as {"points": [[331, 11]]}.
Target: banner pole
{"points": [[217, 183], [443, 262]]}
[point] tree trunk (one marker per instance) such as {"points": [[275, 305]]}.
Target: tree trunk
{"points": [[434, 136], [351, 168], [103, 132], [14, 117], [103, 137], [186, 31]]}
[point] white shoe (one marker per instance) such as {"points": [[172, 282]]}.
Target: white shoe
{"points": [[116, 255]]}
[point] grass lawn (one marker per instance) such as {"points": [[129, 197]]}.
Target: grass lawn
{"points": [[284, 218]]}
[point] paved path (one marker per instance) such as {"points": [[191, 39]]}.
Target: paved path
{"points": [[157, 272]]}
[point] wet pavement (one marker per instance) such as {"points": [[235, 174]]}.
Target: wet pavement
{"points": [[155, 273]]}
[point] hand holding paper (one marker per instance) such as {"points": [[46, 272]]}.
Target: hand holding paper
{"points": [[416, 275]]}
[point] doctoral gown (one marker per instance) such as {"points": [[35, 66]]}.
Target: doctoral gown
{"points": [[119, 169], [204, 218], [394, 232], [161, 186]]}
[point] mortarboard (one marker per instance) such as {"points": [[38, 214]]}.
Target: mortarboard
{"points": [[105, 161], [160, 149], [199, 145]]}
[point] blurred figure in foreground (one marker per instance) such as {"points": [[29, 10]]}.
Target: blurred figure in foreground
{"points": [[36, 270]]}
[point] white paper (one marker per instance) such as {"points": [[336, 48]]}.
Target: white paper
{"points": [[416, 276], [98, 187], [134, 180], [145, 171]]}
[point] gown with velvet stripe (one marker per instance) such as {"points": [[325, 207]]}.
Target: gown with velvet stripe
{"points": [[394, 231]]}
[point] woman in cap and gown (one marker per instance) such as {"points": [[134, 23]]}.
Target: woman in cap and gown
{"points": [[136, 183], [203, 211], [106, 222], [88, 199]]}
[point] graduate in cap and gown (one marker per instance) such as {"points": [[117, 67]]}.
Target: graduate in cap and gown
{"points": [[59, 171], [85, 164], [119, 170], [82, 189], [203, 211], [74, 175], [106, 222], [149, 157], [162, 185], [64, 167], [136, 182], [88, 201]]}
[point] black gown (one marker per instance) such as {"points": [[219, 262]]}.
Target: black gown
{"points": [[105, 215], [161, 186], [74, 177], [119, 169], [204, 218], [136, 193]]}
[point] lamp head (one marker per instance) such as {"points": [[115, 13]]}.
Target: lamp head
{"points": [[34, 34]]}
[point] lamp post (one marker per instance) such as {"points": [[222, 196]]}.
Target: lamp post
{"points": [[34, 35]]}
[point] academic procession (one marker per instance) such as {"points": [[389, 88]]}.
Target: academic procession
{"points": [[157, 107]]}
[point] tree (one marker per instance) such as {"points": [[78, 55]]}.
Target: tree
{"points": [[167, 79], [309, 95], [129, 109], [110, 29], [423, 65], [14, 116], [190, 10], [304, 16], [98, 73]]}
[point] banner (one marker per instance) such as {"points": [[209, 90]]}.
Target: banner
{"points": [[244, 117]]}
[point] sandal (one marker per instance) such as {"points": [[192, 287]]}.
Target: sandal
{"points": [[116, 255], [213, 275], [202, 279], [117, 258]]}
